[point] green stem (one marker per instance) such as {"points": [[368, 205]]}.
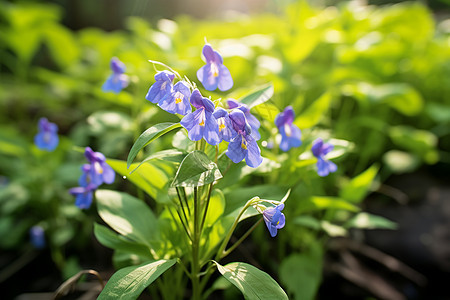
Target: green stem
{"points": [[182, 207], [230, 233], [195, 268], [184, 197], [206, 207], [235, 245], [176, 223]]}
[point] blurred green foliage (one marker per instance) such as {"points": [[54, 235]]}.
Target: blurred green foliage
{"points": [[374, 80]]}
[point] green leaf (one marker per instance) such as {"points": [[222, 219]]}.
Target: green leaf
{"points": [[62, 45], [252, 282], [196, 169], [301, 273], [112, 240], [333, 230], [420, 142], [129, 282], [156, 185], [322, 202], [365, 220], [314, 113], [172, 155], [400, 161], [307, 221], [149, 136], [400, 96], [358, 187], [216, 207], [128, 216], [258, 97]]}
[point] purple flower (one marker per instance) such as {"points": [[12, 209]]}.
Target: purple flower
{"points": [[243, 145], [83, 195], [47, 137], [98, 170], [178, 100], [201, 123], [214, 74], [226, 130], [161, 88], [290, 133], [251, 119], [320, 149], [117, 80], [37, 237], [274, 219]]}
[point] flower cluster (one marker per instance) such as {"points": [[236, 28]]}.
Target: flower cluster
{"points": [[96, 172], [47, 136], [235, 125], [117, 80], [291, 138]]}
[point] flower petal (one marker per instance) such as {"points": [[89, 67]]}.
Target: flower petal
{"points": [[211, 132], [253, 157], [281, 221], [108, 173], [206, 76], [196, 99], [235, 151], [317, 147], [225, 80], [208, 53]]}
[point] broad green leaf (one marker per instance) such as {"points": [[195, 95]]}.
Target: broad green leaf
{"points": [[333, 230], [400, 161], [252, 282], [322, 202], [358, 187], [112, 240], [258, 97], [102, 121], [172, 155], [314, 113], [307, 221], [421, 142], [301, 273], [155, 185], [196, 169], [216, 207], [440, 113], [128, 216], [400, 96], [365, 220], [129, 282], [62, 45], [149, 136]]}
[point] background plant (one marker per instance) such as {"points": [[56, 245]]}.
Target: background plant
{"points": [[354, 74]]}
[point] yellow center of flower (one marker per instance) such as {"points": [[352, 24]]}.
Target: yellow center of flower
{"points": [[244, 144], [214, 70], [178, 97], [98, 168], [287, 130], [202, 123], [221, 126]]}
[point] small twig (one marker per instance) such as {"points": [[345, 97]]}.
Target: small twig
{"points": [[394, 193], [70, 283]]}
